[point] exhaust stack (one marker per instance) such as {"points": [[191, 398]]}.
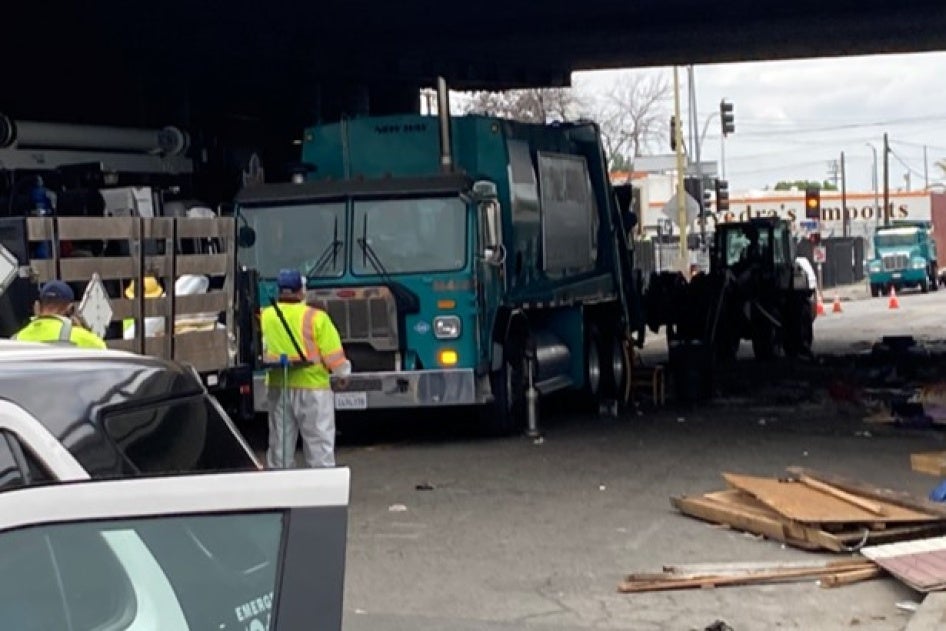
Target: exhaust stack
{"points": [[443, 113]]}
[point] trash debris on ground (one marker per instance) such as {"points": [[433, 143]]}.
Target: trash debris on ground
{"points": [[424, 486], [719, 625], [397, 508], [919, 564], [815, 511], [907, 605], [931, 462], [827, 575]]}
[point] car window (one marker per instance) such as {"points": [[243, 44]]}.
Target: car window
{"points": [[194, 572], [10, 475], [178, 435]]}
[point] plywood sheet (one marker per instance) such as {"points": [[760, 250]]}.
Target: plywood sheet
{"points": [[920, 564], [801, 503]]}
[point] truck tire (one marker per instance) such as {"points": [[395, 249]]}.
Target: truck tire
{"points": [[765, 342], [798, 337], [925, 285], [617, 377], [934, 279], [593, 367], [875, 290], [506, 415]]}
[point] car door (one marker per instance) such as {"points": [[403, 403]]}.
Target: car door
{"points": [[250, 551]]}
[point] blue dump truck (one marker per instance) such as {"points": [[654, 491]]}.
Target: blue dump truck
{"points": [[904, 256], [465, 261]]}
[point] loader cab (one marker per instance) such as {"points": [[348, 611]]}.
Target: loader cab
{"points": [[761, 244]]}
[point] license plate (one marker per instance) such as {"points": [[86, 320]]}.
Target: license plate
{"points": [[351, 400]]}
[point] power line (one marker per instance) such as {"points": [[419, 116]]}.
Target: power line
{"points": [[905, 165]]}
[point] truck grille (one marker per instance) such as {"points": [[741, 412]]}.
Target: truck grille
{"points": [[362, 315], [893, 262]]}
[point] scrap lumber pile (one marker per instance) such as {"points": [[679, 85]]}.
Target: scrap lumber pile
{"points": [[702, 576], [931, 462], [815, 511]]}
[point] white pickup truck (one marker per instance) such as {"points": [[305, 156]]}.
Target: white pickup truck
{"points": [[96, 534]]}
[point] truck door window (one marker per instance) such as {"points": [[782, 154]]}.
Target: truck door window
{"points": [[176, 435], [193, 572]]}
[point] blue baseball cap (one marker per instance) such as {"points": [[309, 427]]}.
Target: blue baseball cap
{"points": [[56, 290], [289, 280]]}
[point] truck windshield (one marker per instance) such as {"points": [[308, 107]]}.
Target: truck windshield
{"points": [[410, 235], [895, 239], [307, 237]]}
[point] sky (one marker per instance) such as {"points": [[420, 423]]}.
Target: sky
{"points": [[794, 117]]}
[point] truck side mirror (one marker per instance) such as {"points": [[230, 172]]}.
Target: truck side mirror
{"points": [[493, 250]]}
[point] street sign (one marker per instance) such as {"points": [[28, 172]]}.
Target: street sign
{"points": [[819, 254], [9, 267], [808, 224], [95, 309]]}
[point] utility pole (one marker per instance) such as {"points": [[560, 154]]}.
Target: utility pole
{"points": [[846, 221], [697, 154], [886, 180], [926, 170], [681, 168]]}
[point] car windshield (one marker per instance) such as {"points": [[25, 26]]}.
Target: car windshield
{"points": [[403, 236], [307, 237], [896, 239]]}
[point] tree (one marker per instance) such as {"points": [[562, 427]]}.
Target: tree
{"points": [[800, 185], [632, 115], [535, 105]]}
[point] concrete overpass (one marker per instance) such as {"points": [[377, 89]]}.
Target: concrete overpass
{"points": [[251, 74]]}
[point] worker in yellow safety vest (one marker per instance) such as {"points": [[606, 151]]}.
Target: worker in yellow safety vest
{"points": [[302, 349], [54, 321]]}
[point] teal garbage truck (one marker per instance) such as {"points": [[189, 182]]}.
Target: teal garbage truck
{"points": [[465, 260], [904, 256]]}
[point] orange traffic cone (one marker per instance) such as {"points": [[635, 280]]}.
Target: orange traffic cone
{"points": [[893, 303], [819, 305], [836, 308]]}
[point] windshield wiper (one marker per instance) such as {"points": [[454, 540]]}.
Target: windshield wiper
{"points": [[368, 253], [330, 253], [406, 300]]}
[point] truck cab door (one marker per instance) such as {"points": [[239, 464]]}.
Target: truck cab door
{"points": [[244, 551]]}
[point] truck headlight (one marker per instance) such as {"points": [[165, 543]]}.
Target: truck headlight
{"points": [[447, 327], [874, 266], [918, 264]]}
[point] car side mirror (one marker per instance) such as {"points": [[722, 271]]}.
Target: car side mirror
{"points": [[246, 237]]}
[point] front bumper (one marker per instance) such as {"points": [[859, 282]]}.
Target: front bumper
{"points": [[898, 277], [386, 390]]}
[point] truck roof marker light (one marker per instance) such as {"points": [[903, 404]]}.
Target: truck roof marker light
{"points": [[446, 304], [448, 357], [345, 293]]}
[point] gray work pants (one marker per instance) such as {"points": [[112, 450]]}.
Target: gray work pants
{"points": [[310, 413]]}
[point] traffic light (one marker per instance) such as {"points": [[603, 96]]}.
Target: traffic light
{"points": [[813, 202], [722, 196], [673, 133], [727, 118]]}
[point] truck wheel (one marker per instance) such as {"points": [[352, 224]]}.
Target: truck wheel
{"points": [[934, 283], [506, 415], [617, 378], [593, 367], [765, 345], [925, 285], [875, 290]]}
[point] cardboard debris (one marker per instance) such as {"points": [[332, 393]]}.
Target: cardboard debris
{"points": [[931, 462], [816, 511], [832, 574]]}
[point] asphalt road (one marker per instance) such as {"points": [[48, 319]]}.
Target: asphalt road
{"points": [[448, 531]]}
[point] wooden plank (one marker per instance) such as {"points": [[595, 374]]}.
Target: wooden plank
{"points": [[206, 227], [750, 521], [742, 567], [801, 503], [212, 302], [849, 577], [931, 462], [897, 498], [869, 506], [722, 581], [204, 264]]}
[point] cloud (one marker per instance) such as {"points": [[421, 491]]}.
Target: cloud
{"points": [[793, 117]]}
